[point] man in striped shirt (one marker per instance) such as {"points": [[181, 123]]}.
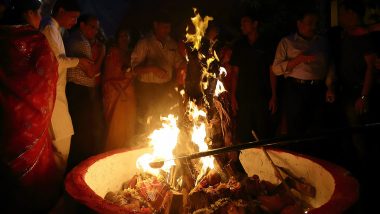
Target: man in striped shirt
{"points": [[83, 91]]}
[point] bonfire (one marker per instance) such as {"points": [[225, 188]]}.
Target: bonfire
{"points": [[211, 184]]}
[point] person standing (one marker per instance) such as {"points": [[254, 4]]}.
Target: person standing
{"points": [[302, 58], [230, 79], [28, 79], [119, 98], [354, 56], [64, 16], [156, 60], [374, 105], [83, 91], [251, 62]]}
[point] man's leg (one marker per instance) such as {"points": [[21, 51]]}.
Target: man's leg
{"points": [[61, 153]]}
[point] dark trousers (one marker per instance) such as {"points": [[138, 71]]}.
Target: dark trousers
{"points": [[253, 115], [85, 106], [304, 107]]}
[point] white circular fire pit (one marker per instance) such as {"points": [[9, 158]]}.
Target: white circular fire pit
{"points": [[336, 189]]}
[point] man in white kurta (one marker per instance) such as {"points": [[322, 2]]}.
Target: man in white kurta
{"points": [[64, 16]]}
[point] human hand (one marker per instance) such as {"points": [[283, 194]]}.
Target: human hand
{"points": [[98, 50], [307, 58], [330, 96], [87, 66], [301, 58], [102, 51], [377, 63], [181, 77], [129, 74], [160, 73], [361, 105], [273, 104]]}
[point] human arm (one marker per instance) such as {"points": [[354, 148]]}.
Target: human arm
{"points": [[54, 39], [329, 81], [377, 63], [138, 61], [77, 46], [113, 65], [284, 64], [273, 85], [115, 68], [98, 53], [181, 67], [181, 76], [234, 80], [361, 102], [144, 69], [301, 58], [235, 61]]}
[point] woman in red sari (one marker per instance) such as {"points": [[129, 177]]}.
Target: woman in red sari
{"points": [[28, 76]]}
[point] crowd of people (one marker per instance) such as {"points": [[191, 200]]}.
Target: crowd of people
{"points": [[67, 96]]}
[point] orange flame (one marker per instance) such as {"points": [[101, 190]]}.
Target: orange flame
{"points": [[199, 137], [201, 26], [163, 142]]}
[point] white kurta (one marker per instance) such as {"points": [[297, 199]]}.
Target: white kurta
{"points": [[61, 120]]}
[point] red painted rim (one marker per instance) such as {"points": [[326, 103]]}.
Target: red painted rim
{"points": [[346, 191]]}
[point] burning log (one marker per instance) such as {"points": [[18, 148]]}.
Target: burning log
{"points": [[202, 85]]}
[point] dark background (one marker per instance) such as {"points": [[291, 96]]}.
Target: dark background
{"points": [[277, 15], [277, 20]]}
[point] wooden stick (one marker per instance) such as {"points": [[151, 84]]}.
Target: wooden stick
{"points": [[277, 141], [297, 183], [277, 172]]}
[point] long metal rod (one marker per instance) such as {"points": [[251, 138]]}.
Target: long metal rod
{"points": [[279, 141]]}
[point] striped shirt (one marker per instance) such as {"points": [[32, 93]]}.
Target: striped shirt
{"points": [[78, 46]]}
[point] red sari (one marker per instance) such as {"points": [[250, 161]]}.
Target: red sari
{"points": [[28, 77]]}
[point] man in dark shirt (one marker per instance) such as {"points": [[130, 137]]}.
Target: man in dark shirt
{"points": [[354, 60], [251, 60]]}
